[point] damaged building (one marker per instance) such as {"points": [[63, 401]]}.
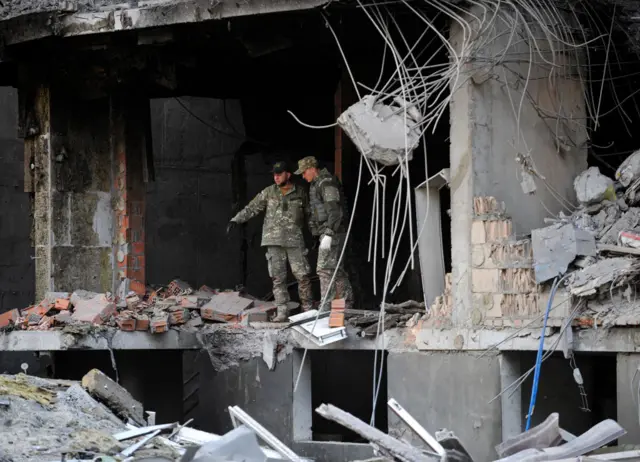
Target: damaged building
{"points": [[488, 152]]}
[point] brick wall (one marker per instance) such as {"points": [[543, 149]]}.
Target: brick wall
{"points": [[504, 291]]}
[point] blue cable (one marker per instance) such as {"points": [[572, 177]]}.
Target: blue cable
{"points": [[536, 375]]}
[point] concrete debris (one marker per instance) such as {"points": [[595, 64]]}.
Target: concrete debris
{"points": [[592, 186], [629, 170], [629, 239], [46, 419], [545, 435], [586, 281], [113, 395], [385, 133], [556, 246], [391, 446], [596, 437], [240, 444], [598, 246]]}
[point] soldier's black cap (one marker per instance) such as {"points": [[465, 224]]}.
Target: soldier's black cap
{"points": [[280, 167]]}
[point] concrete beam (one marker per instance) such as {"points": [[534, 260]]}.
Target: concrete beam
{"points": [[111, 339], [623, 340], [146, 15]]}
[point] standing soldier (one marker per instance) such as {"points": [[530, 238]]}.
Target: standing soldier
{"points": [[286, 209], [328, 220]]}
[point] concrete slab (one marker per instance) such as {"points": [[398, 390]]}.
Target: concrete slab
{"points": [[588, 340], [108, 339]]}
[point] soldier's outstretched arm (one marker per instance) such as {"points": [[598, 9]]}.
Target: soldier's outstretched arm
{"points": [[253, 208], [331, 199]]}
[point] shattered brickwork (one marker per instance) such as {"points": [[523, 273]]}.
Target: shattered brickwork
{"points": [[129, 146], [504, 291]]}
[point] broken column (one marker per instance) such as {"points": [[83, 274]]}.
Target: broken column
{"points": [[129, 124], [70, 148]]}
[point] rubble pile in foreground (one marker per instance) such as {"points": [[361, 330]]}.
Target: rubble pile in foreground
{"points": [[47, 420], [595, 250]]}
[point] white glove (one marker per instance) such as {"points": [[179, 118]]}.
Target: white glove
{"points": [[325, 242]]}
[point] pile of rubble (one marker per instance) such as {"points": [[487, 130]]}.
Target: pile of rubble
{"points": [[97, 419], [595, 250], [178, 305], [143, 309]]}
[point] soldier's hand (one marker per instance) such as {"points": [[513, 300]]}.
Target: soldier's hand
{"points": [[231, 226], [325, 242]]}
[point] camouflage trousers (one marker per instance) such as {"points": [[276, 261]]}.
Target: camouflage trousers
{"points": [[277, 258], [327, 264]]}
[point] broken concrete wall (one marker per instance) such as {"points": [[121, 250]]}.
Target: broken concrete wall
{"points": [[17, 267], [450, 390], [86, 159], [73, 216], [492, 125], [545, 126]]}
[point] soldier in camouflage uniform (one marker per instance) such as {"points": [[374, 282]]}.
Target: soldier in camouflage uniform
{"points": [[287, 208], [328, 221]]}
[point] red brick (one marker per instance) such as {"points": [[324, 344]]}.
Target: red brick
{"points": [[159, 324], [336, 319], [40, 310], [178, 287], [142, 323], [62, 304], [9, 317], [96, 310], [126, 324], [137, 287], [178, 315], [338, 304], [132, 302]]}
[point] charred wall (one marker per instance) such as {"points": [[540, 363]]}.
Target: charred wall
{"points": [[17, 269]]}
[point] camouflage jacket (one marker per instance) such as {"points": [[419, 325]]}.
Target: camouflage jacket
{"points": [[284, 218], [328, 208]]}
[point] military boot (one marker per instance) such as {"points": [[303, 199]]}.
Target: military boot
{"points": [[283, 314]]}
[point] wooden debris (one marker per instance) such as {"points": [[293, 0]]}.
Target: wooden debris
{"points": [[398, 449], [113, 395], [408, 307], [389, 322]]}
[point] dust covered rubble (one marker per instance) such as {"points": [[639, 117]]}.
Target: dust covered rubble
{"points": [[595, 251], [41, 419]]}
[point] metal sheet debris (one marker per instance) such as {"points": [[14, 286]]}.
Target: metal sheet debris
{"points": [[318, 331]]}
